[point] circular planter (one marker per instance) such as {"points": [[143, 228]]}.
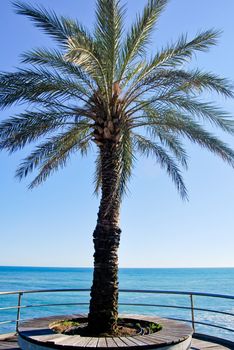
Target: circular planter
{"points": [[36, 335]]}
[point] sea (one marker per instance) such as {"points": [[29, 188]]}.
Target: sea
{"points": [[204, 280]]}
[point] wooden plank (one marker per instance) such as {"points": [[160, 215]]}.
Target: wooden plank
{"points": [[6, 346], [92, 343], [217, 347], [70, 340], [185, 329], [110, 343], [147, 340], [154, 340], [44, 322], [168, 340], [57, 339], [173, 331], [158, 340], [102, 343], [45, 338], [203, 345], [166, 337], [214, 347], [8, 336], [63, 339], [170, 337], [128, 341], [136, 340], [82, 342], [178, 335], [120, 343], [12, 344], [79, 315], [199, 343]]}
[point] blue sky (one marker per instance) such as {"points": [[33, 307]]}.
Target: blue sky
{"points": [[53, 224]]}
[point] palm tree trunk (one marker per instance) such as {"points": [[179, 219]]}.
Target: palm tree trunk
{"points": [[103, 312]]}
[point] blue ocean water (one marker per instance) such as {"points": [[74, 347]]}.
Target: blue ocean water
{"points": [[207, 280]]}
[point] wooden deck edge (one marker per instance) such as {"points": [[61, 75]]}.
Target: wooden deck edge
{"points": [[13, 345], [172, 333], [227, 343], [7, 336]]}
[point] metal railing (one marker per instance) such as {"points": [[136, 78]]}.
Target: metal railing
{"points": [[191, 306]]}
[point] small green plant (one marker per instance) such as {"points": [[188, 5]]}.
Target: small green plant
{"points": [[154, 327], [69, 323], [138, 325], [63, 325]]}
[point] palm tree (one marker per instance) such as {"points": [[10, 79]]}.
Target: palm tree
{"points": [[102, 89]]}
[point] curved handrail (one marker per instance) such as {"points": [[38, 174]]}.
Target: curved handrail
{"points": [[145, 291], [190, 294]]}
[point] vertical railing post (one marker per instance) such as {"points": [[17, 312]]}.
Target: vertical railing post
{"points": [[18, 311], [192, 311]]}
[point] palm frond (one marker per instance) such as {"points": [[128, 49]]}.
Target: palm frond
{"points": [[194, 81], [60, 28], [24, 84], [98, 174], [131, 74], [185, 126], [20, 130], [103, 82], [127, 159], [205, 81], [181, 51], [139, 34], [87, 57], [149, 148], [190, 82], [17, 131], [56, 60], [108, 32], [54, 154], [207, 111], [165, 103], [170, 140]]}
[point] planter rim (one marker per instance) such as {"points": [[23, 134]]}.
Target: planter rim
{"points": [[37, 332]]}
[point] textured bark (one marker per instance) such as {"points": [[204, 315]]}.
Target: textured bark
{"points": [[103, 311]]}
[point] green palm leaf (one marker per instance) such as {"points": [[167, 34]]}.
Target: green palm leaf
{"points": [[149, 148], [194, 82], [139, 34], [60, 28], [182, 125], [128, 159], [18, 131], [54, 154], [164, 104], [33, 83], [182, 51], [102, 87], [56, 60], [171, 141], [108, 32]]}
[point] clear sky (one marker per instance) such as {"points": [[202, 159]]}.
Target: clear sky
{"points": [[53, 224]]}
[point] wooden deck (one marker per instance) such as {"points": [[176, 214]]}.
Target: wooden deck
{"points": [[37, 331], [10, 343]]}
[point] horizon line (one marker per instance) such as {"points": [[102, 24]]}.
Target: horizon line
{"points": [[122, 267]]}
